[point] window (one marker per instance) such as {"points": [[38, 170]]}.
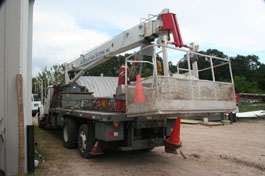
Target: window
{"points": [[36, 98]]}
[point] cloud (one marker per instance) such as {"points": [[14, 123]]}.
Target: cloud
{"points": [[225, 24], [233, 25], [57, 38], [63, 29]]}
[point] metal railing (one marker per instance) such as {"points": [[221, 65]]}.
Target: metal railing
{"points": [[188, 53], [183, 93]]}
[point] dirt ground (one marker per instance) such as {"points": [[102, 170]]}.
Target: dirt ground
{"points": [[237, 149]]}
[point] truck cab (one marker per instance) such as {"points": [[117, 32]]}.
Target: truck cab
{"points": [[35, 104]]}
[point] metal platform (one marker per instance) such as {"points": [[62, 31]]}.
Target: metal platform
{"points": [[171, 95], [182, 94]]}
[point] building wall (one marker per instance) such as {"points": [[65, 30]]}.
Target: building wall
{"points": [[2, 90], [15, 58]]}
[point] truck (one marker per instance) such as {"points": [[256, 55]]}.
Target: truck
{"points": [[35, 104], [139, 109]]}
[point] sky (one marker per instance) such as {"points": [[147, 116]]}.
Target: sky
{"points": [[64, 29]]}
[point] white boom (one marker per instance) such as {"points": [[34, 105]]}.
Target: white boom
{"points": [[132, 38]]}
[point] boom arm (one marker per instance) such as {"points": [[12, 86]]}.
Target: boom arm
{"points": [[132, 38]]}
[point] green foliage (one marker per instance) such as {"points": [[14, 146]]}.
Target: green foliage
{"points": [[251, 107], [242, 85], [40, 154], [172, 68], [249, 74], [112, 66], [48, 76], [260, 76], [147, 70], [221, 73], [108, 68]]}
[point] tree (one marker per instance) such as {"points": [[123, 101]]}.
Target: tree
{"points": [[260, 76], [242, 85], [172, 68], [108, 68], [48, 76], [220, 73], [250, 68]]}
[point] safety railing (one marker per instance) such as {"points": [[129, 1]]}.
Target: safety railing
{"points": [[188, 54], [179, 92]]}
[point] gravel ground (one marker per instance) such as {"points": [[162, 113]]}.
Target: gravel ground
{"points": [[237, 149]]}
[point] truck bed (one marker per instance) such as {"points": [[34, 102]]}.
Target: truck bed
{"points": [[88, 114]]}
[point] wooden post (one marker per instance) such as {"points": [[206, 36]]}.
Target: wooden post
{"points": [[21, 149]]}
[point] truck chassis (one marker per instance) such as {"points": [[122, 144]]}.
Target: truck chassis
{"points": [[94, 132]]}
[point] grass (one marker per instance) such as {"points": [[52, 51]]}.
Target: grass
{"points": [[251, 107], [248, 120], [40, 154], [33, 174], [50, 152]]}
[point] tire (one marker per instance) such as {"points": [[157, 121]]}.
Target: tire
{"points": [[69, 133], [86, 139], [42, 123]]}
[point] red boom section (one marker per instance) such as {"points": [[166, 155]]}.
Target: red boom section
{"points": [[170, 23]]}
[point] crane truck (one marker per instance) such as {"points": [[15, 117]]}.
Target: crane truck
{"points": [[136, 111]]}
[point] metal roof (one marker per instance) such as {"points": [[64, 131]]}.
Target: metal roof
{"points": [[101, 86]]}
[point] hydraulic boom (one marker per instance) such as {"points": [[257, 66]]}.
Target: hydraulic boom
{"points": [[145, 32]]}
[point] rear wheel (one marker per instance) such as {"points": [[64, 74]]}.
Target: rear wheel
{"points": [[41, 122], [33, 114], [86, 139], [69, 133]]}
